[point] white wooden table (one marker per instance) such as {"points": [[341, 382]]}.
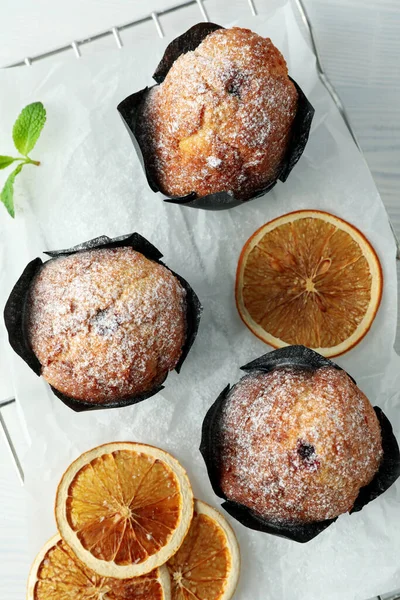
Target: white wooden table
{"points": [[359, 42]]}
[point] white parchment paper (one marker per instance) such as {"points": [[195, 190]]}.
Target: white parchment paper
{"points": [[90, 183]]}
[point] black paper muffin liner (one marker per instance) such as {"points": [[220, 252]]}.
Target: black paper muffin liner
{"points": [[14, 314], [130, 110], [297, 356]]}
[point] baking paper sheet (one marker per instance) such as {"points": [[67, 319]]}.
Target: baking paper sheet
{"points": [[91, 183]]}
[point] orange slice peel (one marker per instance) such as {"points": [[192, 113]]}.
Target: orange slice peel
{"points": [[207, 565], [309, 278], [124, 508], [57, 574]]}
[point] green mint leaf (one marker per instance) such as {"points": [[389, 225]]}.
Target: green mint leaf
{"points": [[7, 194], [5, 161], [28, 126]]}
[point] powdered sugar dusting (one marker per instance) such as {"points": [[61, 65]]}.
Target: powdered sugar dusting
{"points": [[297, 445], [221, 120], [106, 324], [213, 161]]}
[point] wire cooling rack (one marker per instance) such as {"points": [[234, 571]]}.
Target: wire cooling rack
{"points": [[117, 33]]}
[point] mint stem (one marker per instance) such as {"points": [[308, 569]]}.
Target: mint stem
{"points": [[29, 161]]}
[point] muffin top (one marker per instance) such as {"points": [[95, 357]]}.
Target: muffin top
{"points": [[297, 445], [106, 324], [221, 120]]}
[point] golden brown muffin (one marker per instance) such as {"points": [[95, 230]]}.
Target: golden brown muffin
{"points": [[221, 120], [106, 324], [297, 445]]}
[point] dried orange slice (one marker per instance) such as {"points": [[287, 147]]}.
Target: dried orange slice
{"points": [[57, 574], [124, 508], [309, 278], [207, 565]]}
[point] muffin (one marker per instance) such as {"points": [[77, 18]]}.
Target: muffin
{"points": [[222, 119], [296, 445], [106, 324]]}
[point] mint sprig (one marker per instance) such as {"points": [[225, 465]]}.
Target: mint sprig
{"points": [[26, 131]]}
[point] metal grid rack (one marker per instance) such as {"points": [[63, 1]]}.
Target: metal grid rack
{"points": [[116, 33]]}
